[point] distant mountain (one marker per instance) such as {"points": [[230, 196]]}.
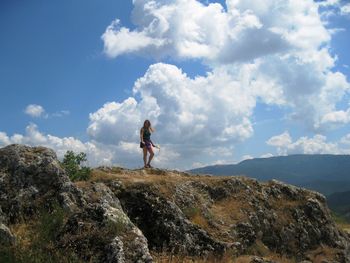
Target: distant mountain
{"points": [[324, 173], [340, 203]]}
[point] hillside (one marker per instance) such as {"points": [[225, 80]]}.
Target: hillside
{"points": [[323, 173], [152, 215], [340, 203]]}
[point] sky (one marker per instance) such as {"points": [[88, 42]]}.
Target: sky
{"points": [[221, 81]]}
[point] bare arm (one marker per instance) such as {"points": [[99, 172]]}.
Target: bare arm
{"points": [[141, 135]]}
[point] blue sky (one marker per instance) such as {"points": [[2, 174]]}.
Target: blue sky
{"points": [[198, 78]]}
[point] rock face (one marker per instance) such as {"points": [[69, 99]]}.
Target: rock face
{"points": [[125, 215], [165, 224], [31, 179]]}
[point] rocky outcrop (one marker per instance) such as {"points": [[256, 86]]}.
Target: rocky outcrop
{"points": [[32, 180], [165, 225], [6, 237], [125, 215]]}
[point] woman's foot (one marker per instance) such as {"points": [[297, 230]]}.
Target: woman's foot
{"points": [[149, 166]]}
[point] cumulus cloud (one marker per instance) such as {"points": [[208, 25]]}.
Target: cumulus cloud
{"points": [[246, 30], [346, 139], [280, 141], [38, 111], [284, 47], [266, 155], [35, 111], [192, 115], [337, 117], [122, 153], [317, 144], [97, 154], [345, 10]]}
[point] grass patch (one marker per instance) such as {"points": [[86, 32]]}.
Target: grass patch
{"points": [[36, 240]]}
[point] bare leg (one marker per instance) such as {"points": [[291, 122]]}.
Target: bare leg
{"points": [[151, 154], [145, 156]]}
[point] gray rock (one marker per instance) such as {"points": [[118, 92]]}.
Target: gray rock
{"points": [[6, 237], [164, 225]]}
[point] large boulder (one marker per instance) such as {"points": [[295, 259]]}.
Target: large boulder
{"points": [[30, 178]]}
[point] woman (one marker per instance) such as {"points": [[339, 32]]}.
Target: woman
{"points": [[146, 143]]}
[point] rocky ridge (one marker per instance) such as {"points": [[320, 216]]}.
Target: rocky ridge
{"points": [[151, 215]]}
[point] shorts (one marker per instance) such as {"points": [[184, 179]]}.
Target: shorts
{"points": [[148, 144]]}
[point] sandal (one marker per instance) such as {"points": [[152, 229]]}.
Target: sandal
{"points": [[149, 166]]}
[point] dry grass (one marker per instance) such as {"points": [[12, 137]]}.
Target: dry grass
{"points": [[284, 209], [322, 253], [226, 258], [24, 233], [166, 258], [273, 257]]}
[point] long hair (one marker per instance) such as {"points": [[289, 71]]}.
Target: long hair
{"points": [[147, 123]]}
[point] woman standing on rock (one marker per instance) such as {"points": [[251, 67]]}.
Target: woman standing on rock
{"points": [[146, 143]]}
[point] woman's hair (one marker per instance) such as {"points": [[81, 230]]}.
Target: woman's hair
{"points": [[147, 122]]}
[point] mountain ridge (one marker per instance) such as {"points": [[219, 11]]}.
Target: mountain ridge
{"points": [[316, 172]]}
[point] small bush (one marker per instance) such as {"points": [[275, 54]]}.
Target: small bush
{"points": [[72, 163]]}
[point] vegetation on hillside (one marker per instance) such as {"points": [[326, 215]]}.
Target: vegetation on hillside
{"points": [[73, 164]]}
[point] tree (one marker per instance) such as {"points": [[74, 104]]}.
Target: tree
{"points": [[72, 163]]}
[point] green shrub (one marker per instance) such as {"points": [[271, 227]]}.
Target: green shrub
{"points": [[72, 163]]}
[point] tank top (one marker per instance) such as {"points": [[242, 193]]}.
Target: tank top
{"points": [[146, 134]]}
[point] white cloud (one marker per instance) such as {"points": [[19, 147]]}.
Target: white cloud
{"points": [[97, 154], [345, 9], [247, 157], [35, 111], [38, 111], [279, 49], [280, 141], [120, 40], [4, 139], [345, 139], [317, 144], [193, 116], [247, 30], [61, 113], [274, 52], [122, 153], [337, 117], [266, 155]]}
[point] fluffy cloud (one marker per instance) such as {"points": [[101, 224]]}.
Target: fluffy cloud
{"points": [[276, 53], [283, 45], [345, 9], [211, 111], [122, 153], [346, 139], [96, 155], [246, 30], [317, 144], [280, 141], [35, 111], [337, 117], [38, 111]]}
